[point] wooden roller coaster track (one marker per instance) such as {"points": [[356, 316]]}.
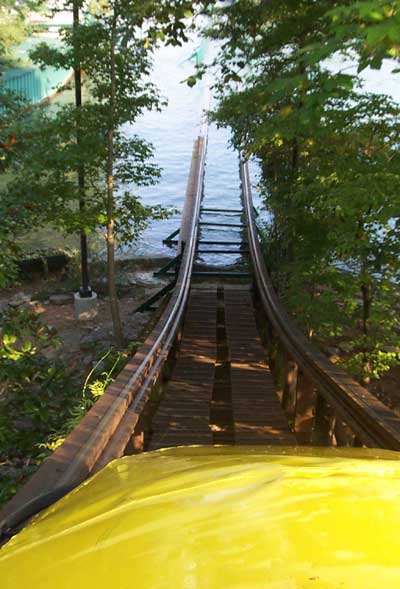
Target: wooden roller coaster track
{"points": [[203, 376]]}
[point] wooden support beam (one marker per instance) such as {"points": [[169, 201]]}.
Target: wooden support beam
{"points": [[223, 251], [225, 211], [343, 434], [324, 423], [289, 387], [214, 224], [305, 404]]}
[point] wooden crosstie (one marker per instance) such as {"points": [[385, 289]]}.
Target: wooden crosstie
{"points": [[184, 414]]}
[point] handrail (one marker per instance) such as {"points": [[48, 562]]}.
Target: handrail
{"points": [[74, 460], [374, 423]]}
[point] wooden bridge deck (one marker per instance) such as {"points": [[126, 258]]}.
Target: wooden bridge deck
{"points": [[257, 413], [183, 415], [192, 410]]}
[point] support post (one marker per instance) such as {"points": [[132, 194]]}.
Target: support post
{"points": [[290, 388], [85, 290], [305, 404], [324, 421], [343, 434]]}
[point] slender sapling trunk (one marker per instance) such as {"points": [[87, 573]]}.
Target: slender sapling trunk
{"points": [[112, 289]]}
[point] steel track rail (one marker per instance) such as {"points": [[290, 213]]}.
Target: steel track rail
{"points": [[373, 423], [86, 447]]}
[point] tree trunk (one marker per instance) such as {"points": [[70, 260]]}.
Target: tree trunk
{"points": [[367, 300], [112, 289], [295, 153], [295, 165]]}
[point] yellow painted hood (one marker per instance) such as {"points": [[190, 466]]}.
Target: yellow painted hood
{"points": [[220, 517]]}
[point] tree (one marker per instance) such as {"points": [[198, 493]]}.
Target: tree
{"points": [[15, 218], [113, 46], [370, 27], [329, 160], [13, 27]]}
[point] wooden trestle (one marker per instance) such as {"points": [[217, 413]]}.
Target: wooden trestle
{"points": [[221, 390]]}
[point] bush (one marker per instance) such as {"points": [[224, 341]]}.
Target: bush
{"points": [[40, 401], [36, 393]]}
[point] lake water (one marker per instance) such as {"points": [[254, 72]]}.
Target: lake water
{"points": [[172, 133]]}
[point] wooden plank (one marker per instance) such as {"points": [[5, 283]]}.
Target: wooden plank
{"points": [[258, 416], [183, 417]]}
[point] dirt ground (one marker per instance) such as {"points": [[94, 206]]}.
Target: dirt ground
{"points": [[81, 342]]}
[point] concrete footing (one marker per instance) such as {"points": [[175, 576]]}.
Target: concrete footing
{"points": [[85, 308]]}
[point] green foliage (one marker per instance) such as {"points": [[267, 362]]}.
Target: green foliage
{"points": [[371, 364], [40, 401], [329, 156], [13, 27], [371, 27], [15, 216], [31, 384], [45, 162], [96, 382], [36, 394]]}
